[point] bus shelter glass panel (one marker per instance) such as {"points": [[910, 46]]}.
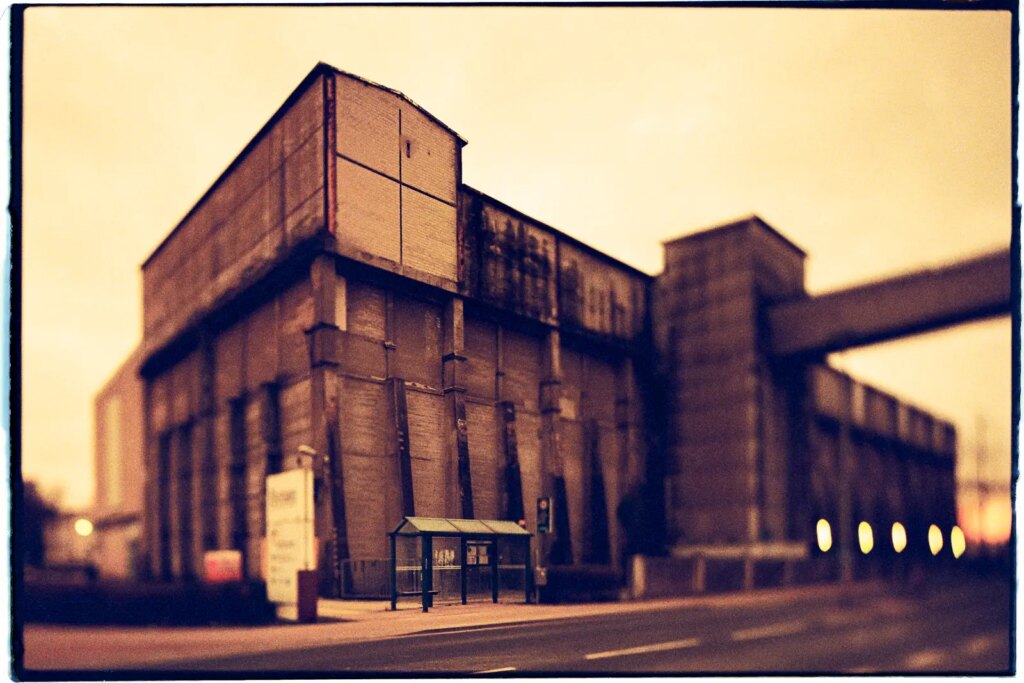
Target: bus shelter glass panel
{"points": [[446, 561], [447, 569], [513, 561], [479, 572], [408, 573]]}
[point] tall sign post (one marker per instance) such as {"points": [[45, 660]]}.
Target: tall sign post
{"points": [[291, 558]]}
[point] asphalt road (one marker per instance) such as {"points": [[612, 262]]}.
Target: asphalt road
{"points": [[957, 627]]}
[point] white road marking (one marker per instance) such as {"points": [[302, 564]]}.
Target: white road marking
{"points": [[924, 658], [862, 670], [841, 619], [497, 671], [785, 628], [643, 649], [981, 644]]}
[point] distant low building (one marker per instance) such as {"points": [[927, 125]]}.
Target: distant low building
{"points": [[64, 546], [119, 470]]}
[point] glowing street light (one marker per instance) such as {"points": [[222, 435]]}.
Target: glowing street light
{"points": [[824, 535], [866, 537], [957, 542], [83, 527], [934, 539], [899, 537]]}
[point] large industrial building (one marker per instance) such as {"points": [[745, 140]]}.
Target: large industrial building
{"points": [[445, 355]]}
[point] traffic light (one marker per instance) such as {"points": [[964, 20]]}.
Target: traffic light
{"points": [[543, 515]]}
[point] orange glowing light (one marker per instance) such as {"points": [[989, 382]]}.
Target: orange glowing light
{"points": [[899, 537], [866, 537], [824, 535], [957, 542], [934, 539]]}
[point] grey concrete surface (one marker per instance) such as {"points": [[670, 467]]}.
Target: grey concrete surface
{"points": [[950, 626]]}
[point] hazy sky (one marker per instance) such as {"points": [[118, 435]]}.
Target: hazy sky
{"points": [[879, 141]]}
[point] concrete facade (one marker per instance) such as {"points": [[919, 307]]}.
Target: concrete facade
{"points": [[116, 544], [339, 287]]}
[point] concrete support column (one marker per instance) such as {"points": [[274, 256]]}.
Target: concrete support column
{"points": [[700, 574], [205, 462], [513, 506], [727, 426], [845, 457], [322, 337], [460, 484], [555, 547], [151, 508], [202, 456], [629, 419]]}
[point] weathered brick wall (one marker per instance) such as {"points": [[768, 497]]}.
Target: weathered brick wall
{"points": [[387, 334], [707, 331], [205, 509], [902, 462], [397, 171], [397, 186], [271, 198], [522, 266]]}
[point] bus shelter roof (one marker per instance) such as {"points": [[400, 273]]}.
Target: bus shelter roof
{"points": [[443, 526]]}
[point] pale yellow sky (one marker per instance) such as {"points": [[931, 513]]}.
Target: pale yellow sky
{"points": [[879, 141]]}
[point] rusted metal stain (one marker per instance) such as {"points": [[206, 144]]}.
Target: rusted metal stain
{"points": [[514, 268], [514, 509], [399, 419], [462, 445], [598, 544]]}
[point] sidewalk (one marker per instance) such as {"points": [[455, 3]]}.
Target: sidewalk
{"points": [[75, 647]]}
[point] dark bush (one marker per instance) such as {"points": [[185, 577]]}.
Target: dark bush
{"points": [[141, 603], [581, 583]]}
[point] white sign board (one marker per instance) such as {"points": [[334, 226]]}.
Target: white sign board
{"points": [[289, 532]]}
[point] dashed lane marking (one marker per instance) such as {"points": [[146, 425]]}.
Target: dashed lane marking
{"points": [[982, 644], [785, 628], [497, 671], [644, 649], [862, 670], [924, 658], [842, 619]]}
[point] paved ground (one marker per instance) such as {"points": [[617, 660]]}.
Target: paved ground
{"points": [[955, 627]]}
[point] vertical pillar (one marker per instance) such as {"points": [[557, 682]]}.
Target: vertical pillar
{"points": [[597, 546], [394, 573], [700, 573], [453, 364], [183, 453], [205, 445], [427, 580], [151, 510], [513, 507], [237, 480], [462, 567], [628, 416], [493, 561], [725, 448], [801, 459], [556, 547], [398, 421], [748, 572], [322, 337], [845, 493], [270, 425]]}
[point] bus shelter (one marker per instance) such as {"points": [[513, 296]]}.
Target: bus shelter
{"points": [[459, 560]]}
